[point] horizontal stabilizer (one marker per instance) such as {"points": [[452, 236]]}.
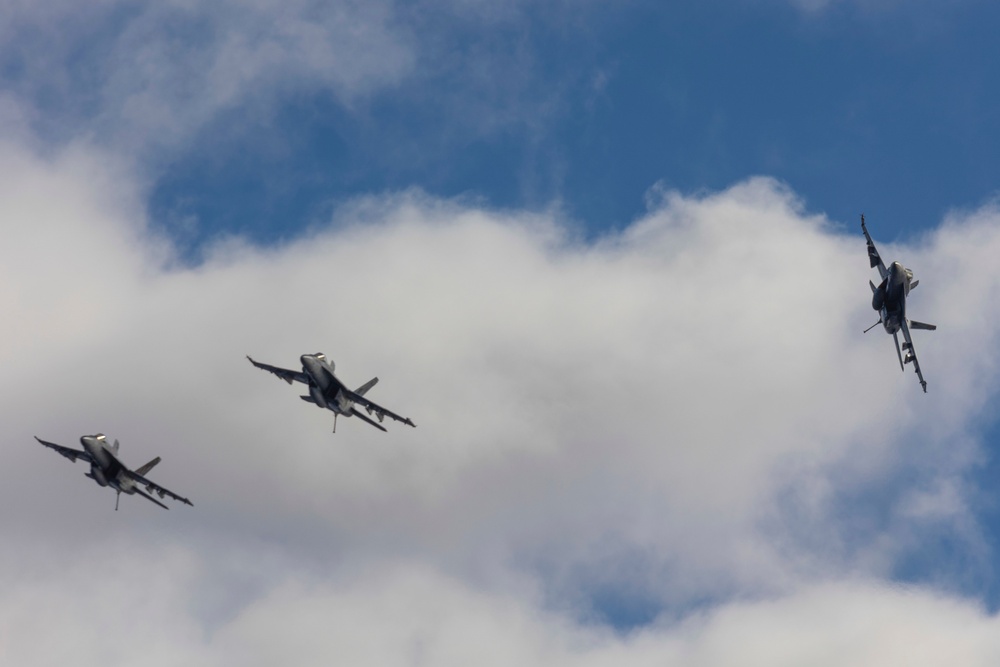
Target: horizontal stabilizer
{"points": [[914, 284], [308, 399], [872, 285], [922, 325], [142, 470]]}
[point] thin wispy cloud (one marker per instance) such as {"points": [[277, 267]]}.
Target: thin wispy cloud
{"points": [[152, 75]]}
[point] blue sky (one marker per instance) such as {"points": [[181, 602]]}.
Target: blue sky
{"points": [[606, 255], [884, 110]]}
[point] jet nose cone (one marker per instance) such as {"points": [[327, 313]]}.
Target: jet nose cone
{"points": [[317, 358]]}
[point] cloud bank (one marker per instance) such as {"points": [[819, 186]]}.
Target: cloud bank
{"points": [[680, 421]]}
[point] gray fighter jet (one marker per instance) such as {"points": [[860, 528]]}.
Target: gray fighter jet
{"points": [[889, 299], [326, 391], [107, 470]]}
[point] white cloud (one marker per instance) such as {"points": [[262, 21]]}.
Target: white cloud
{"points": [[419, 618], [405, 615], [675, 412]]}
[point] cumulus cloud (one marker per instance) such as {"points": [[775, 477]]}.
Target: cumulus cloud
{"points": [[683, 415]]}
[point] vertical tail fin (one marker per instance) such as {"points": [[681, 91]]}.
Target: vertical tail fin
{"points": [[143, 469], [360, 391]]}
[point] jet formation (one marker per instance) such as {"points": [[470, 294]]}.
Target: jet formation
{"points": [[107, 469], [327, 391], [889, 299]]}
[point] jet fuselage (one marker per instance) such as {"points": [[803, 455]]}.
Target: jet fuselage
{"points": [[889, 298], [106, 469], [325, 389]]}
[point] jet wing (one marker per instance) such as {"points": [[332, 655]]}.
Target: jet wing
{"points": [[362, 417], [873, 256], [911, 355], [71, 454], [149, 497], [153, 487], [380, 412], [285, 374]]}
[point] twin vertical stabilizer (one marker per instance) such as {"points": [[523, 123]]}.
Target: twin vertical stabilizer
{"points": [[143, 469], [360, 391]]}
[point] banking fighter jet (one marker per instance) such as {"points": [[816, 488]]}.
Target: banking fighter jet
{"points": [[889, 299], [327, 391], [107, 469]]}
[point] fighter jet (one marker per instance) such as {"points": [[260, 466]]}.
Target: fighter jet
{"points": [[107, 470], [889, 299], [326, 391]]}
